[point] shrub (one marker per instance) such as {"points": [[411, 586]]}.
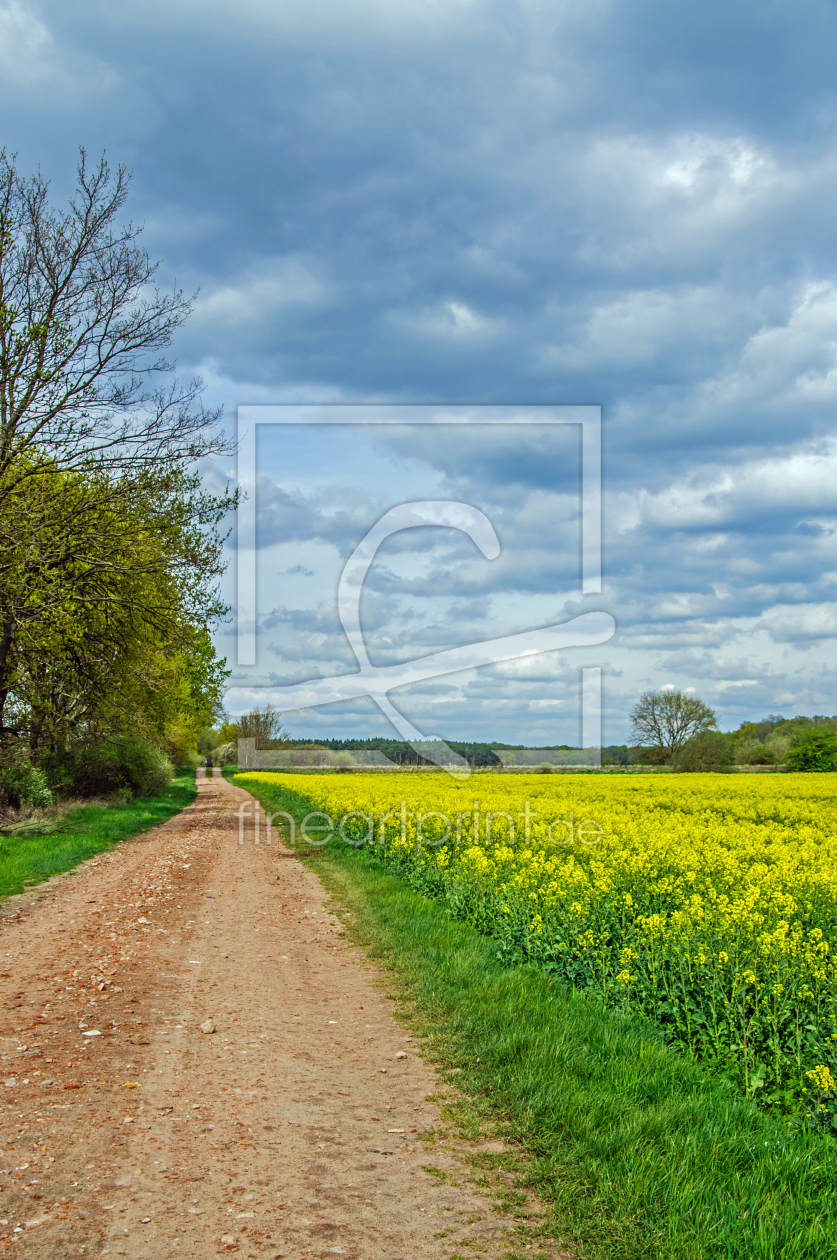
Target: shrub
{"points": [[779, 745], [225, 754], [709, 751], [814, 750], [762, 756], [24, 785], [752, 753], [110, 766], [649, 756]]}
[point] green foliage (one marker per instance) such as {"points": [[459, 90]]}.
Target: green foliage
{"points": [[228, 733], [106, 597], [475, 754], [207, 741], [225, 754], [750, 752], [770, 741], [814, 749], [618, 755], [109, 545], [107, 767], [22, 785], [83, 832], [397, 750], [709, 751], [653, 755]]}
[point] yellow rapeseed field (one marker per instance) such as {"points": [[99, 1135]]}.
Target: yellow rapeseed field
{"points": [[706, 902]]}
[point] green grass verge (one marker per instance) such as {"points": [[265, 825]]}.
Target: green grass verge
{"points": [[638, 1152], [83, 832]]}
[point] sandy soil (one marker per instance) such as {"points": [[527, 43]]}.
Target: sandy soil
{"points": [[301, 1127]]}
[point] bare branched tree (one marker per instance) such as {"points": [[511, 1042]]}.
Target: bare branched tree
{"points": [[264, 725], [667, 719], [83, 330]]}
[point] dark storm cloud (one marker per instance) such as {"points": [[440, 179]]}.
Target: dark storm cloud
{"points": [[504, 201]]}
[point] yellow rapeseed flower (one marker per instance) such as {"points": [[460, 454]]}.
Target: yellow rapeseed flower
{"points": [[679, 892]]}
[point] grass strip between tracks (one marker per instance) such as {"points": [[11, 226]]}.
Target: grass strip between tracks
{"points": [[636, 1151], [82, 832]]}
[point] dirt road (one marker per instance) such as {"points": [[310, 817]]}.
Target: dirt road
{"points": [[295, 1129]]}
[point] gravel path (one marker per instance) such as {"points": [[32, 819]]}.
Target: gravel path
{"points": [[294, 1129]]}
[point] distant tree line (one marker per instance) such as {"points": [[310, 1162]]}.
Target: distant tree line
{"points": [[264, 725], [683, 729], [402, 753], [677, 729]]}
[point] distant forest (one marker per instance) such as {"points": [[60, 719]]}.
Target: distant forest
{"points": [[474, 753]]}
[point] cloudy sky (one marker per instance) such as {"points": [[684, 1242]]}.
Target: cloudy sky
{"points": [[489, 202]]}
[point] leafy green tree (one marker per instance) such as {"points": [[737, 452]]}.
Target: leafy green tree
{"points": [[814, 749], [227, 732], [110, 593], [109, 549], [665, 720], [207, 741]]}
